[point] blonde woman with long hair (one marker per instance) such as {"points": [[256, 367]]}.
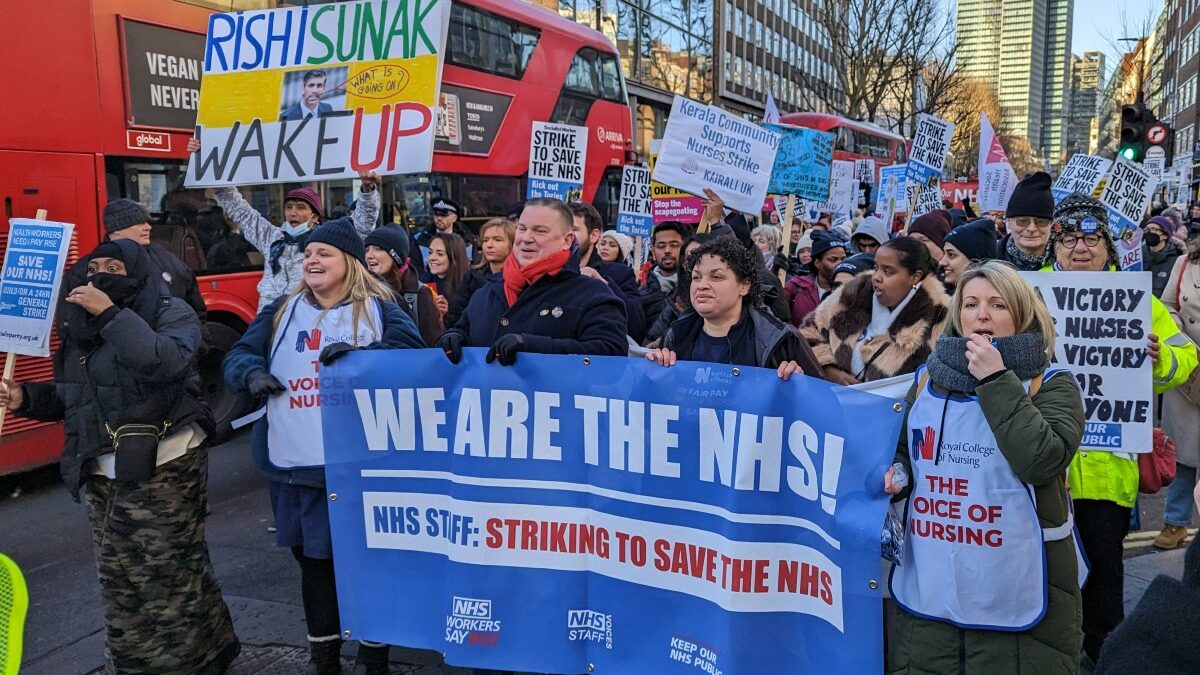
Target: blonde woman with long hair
{"points": [[337, 308], [988, 578]]}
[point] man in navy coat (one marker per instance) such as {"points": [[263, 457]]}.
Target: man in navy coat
{"points": [[310, 104], [543, 305]]}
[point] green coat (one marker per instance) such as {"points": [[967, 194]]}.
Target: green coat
{"points": [[1038, 438]]}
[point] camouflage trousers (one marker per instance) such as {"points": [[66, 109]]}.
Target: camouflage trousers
{"points": [[162, 604]]}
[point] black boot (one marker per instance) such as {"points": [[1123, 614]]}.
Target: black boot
{"points": [[325, 655], [372, 658]]}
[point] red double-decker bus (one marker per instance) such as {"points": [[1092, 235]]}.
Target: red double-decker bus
{"points": [[855, 140], [102, 102]]}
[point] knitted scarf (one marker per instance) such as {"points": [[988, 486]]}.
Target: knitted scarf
{"points": [[518, 278], [1023, 260], [278, 246], [1024, 354]]}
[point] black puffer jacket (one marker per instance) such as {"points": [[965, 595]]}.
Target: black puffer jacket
{"points": [[1159, 264], [141, 365]]}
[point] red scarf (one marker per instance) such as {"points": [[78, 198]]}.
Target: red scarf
{"points": [[517, 278]]}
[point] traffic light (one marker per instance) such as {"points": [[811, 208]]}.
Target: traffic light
{"points": [[1133, 131]]}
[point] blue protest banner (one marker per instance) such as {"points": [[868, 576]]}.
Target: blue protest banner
{"points": [[572, 514], [802, 164], [30, 284]]}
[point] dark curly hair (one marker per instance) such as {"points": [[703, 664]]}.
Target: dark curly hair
{"points": [[744, 263]]}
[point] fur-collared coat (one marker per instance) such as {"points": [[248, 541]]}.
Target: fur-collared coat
{"points": [[833, 329]]}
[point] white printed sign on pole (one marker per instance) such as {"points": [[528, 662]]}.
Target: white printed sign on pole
{"points": [[893, 198], [925, 199], [635, 217], [864, 170], [930, 144], [1082, 174], [557, 157], [842, 185], [1127, 196], [996, 177], [706, 147], [30, 284], [1101, 321]]}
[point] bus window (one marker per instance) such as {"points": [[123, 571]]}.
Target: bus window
{"points": [[843, 139], [612, 87], [483, 41], [900, 156]]}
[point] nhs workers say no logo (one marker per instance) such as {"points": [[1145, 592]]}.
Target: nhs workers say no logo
{"points": [[471, 622]]}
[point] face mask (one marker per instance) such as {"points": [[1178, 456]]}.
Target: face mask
{"points": [[294, 230], [118, 287], [1152, 239]]}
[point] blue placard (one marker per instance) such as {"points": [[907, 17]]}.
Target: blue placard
{"points": [[555, 189], [571, 514], [635, 225], [802, 164], [33, 263]]}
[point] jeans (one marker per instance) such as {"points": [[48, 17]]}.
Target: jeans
{"points": [[1178, 509]]}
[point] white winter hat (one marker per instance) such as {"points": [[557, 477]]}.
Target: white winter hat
{"points": [[623, 241]]}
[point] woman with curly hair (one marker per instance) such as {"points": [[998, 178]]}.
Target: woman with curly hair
{"points": [[727, 322]]}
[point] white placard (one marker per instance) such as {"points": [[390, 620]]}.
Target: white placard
{"points": [[557, 157], [706, 147], [635, 216], [1102, 321], [1082, 174]]}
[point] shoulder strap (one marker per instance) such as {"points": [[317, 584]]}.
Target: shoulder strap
{"points": [[1179, 281], [922, 381]]}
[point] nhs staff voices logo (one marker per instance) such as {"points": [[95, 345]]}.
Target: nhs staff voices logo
{"points": [[589, 626], [470, 622]]}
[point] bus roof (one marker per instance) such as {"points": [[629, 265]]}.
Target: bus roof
{"points": [[812, 118], [544, 18]]}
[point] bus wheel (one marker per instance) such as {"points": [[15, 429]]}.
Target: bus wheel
{"points": [[225, 405]]}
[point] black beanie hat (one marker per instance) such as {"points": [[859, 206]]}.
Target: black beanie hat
{"points": [[822, 241], [976, 240], [856, 264], [1031, 198], [393, 240], [122, 213], [340, 234]]}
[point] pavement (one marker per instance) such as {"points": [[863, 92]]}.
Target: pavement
{"points": [[48, 535]]}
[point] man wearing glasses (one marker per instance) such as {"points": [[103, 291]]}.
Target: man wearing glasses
{"points": [[1027, 217]]}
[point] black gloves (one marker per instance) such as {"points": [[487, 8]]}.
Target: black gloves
{"points": [[262, 383], [505, 349], [334, 352], [452, 344]]}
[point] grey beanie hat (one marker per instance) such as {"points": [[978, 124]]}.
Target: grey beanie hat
{"points": [[121, 213]]}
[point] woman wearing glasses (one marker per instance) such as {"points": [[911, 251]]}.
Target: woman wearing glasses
{"points": [[1028, 221]]}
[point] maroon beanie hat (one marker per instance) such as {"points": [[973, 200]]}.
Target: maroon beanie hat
{"points": [[935, 225], [308, 196]]}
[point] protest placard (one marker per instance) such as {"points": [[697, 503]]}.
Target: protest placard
{"points": [[924, 198], [842, 188], [652, 520], [893, 198], [706, 147], [930, 144], [1155, 165], [634, 215], [803, 162], [1102, 321], [864, 170], [557, 157], [1126, 196], [314, 93], [996, 177], [1082, 174], [34, 259]]}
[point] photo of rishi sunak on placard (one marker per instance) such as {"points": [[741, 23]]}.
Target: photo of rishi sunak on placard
{"points": [[312, 93]]}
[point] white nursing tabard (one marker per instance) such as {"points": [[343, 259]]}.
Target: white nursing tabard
{"points": [[294, 437], [974, 553]]}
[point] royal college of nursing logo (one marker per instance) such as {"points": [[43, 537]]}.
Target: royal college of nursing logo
{"points": [[308, 340], [922, 443]]}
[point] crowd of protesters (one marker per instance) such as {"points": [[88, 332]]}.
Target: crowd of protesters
{"points": [[848, 302]]}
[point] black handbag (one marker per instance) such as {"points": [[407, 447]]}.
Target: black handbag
{"points": [[135, 445]]}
